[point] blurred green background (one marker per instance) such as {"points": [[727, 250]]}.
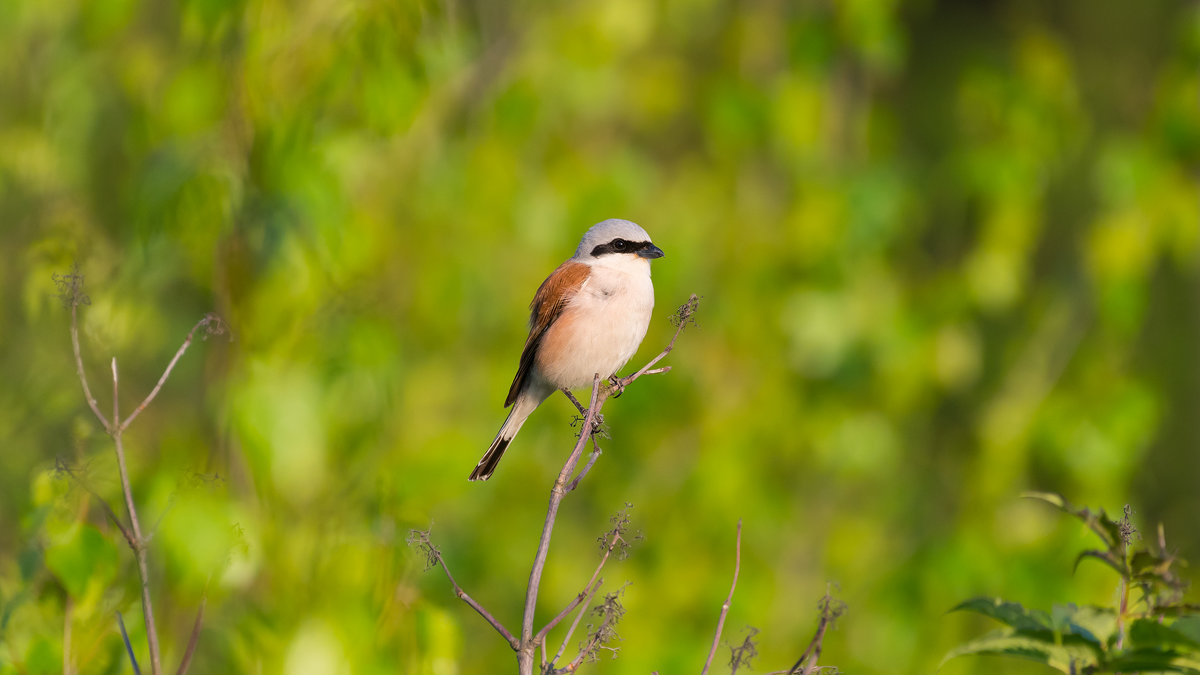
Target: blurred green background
{"points": [[947, 253]]}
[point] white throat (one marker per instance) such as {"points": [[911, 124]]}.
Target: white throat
{"points": [[627, 263]]}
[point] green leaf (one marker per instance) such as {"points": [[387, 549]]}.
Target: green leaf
{"points": [[1009, 613], [1097, 625], [1106, 528], [1152, 660], [1189, 626], [1152, 567], [43, 657], [1184, 610], [1031, 647], [1151, 633], [1109, 558]]}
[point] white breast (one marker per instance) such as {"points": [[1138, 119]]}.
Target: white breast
{"points": [[602, 327]]}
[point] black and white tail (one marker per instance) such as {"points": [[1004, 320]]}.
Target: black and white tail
{"points": [[522, 408]]}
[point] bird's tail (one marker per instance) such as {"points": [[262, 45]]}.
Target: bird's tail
{"points": [[522, 407]]}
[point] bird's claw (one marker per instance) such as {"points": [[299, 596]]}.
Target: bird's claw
{"points": [[616, 387]]}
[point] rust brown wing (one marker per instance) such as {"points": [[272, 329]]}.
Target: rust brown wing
{"points": [[551, 298]]}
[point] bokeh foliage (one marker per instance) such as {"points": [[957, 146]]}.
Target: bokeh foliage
{"points": [[948, 253]]}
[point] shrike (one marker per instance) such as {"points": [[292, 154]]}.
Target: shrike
{"points": [[588, 317]]}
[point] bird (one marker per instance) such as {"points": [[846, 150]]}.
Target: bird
{"points": [[586, 319]]}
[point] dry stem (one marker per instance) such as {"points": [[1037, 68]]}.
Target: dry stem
{"points": [[71, 286], [433, 556], [737, 566], [584, 598], [831, 609], [191, 648]]}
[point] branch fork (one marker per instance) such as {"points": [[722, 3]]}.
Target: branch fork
{"points": [[71, 292], [591, 427]]}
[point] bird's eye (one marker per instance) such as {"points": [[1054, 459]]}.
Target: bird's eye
{"points": [[619, 244]]}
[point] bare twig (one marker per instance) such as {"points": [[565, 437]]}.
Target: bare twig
{"points": [[682, 319], [128, 646], [61, 466], [831, 609], [140, 550], [191, 648], [433, 556], [586, 467], [737, 566], [584, 596], [87, 392], [574, 401], [527, 644], [71, 291], [583, 608], [740, 655], [610, 612], [213, 325]]}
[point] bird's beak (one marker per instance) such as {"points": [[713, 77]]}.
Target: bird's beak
{"points": [[651, 252]]}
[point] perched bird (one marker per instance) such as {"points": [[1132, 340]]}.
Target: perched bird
{"points": [[588, 317]]}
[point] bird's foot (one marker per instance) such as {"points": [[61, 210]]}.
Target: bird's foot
{"points": [[616, 386], [599, 428]]}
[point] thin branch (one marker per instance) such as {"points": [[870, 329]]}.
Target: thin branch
{"points": [[512, 641], [71, 293], [610, 612], [575, 401], [587, 591], [191, 648], [586, 467], [830, 611], [562, 647], [682, 319], [87, 391], [433, 556], [556, 495], [582, 601], [116, 418], [63, 467], [742, 654], [213, 325], [128, 646], [140, 551], [737, 566]]}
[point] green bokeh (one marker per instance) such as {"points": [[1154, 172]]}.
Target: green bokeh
{"points": [[947, 253]]}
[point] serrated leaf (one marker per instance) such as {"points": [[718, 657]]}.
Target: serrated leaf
{"points": [[1107, 557], [1106, 528], [1031, 647], [1008, 613], [1147, 561], [1152, 567]]}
